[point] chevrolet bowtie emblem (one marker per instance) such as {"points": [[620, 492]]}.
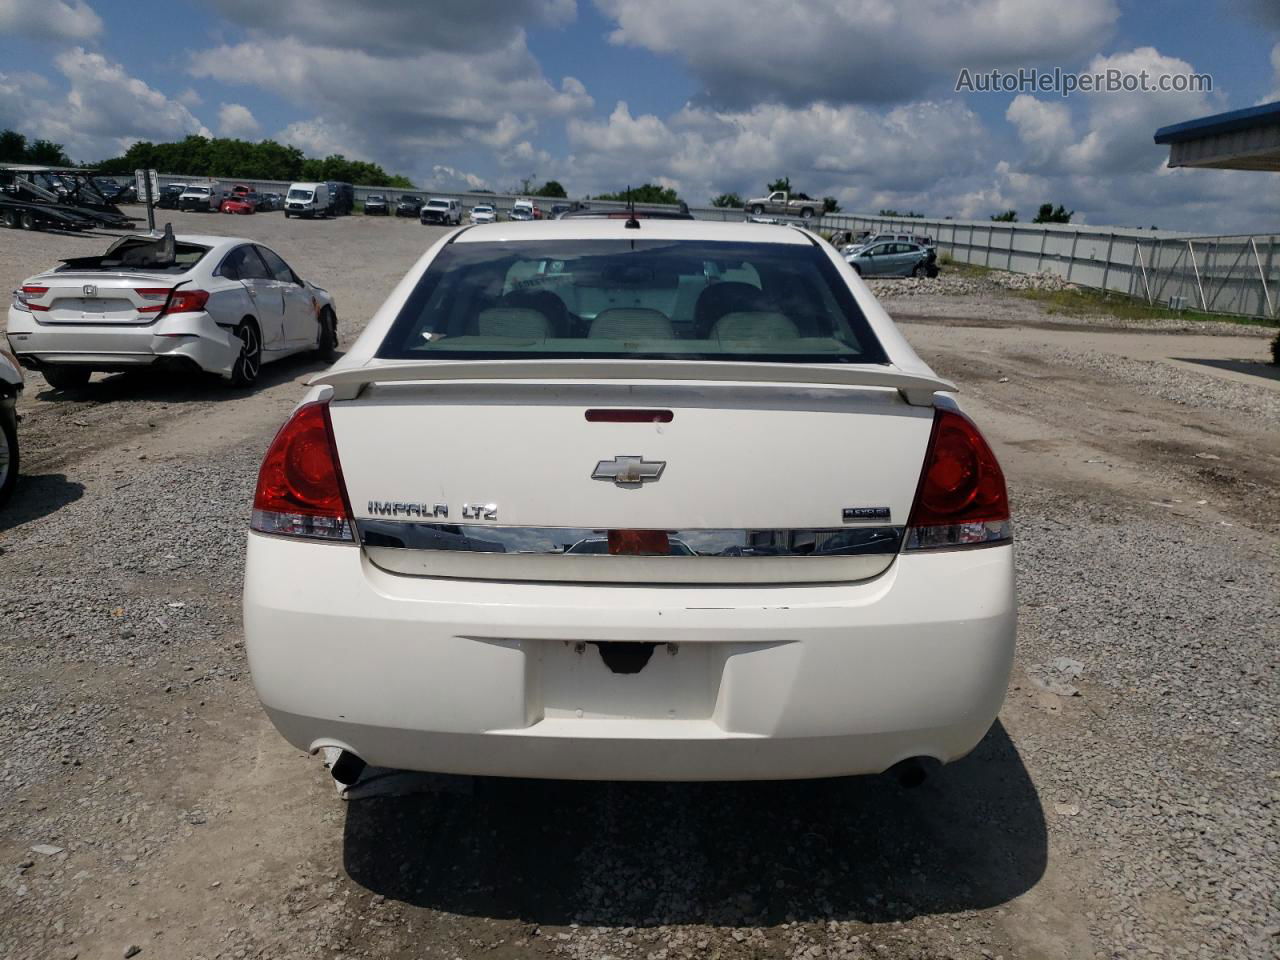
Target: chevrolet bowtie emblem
{"points": [[628, 471]]}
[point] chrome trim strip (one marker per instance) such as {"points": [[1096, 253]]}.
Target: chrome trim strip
{"points": [[849, 541]]}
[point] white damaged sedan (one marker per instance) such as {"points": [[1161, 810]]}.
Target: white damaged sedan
{"points": [[645, 500], [224, 305]]}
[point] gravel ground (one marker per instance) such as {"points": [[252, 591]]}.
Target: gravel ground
{"points": [[950, 283], [1124, 805], [970, 296]]}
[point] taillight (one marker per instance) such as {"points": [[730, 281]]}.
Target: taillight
{"points": [[187, 301], [961, 500], [300, 490], [23, 296], [155, 297]]}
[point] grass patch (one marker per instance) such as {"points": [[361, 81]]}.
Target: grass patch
{"points": [[1084, 302], [964, 269]]}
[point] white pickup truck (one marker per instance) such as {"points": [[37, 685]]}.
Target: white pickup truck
{"points": [[780, 202]]}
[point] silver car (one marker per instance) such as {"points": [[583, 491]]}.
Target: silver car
{"points": [[224, 305], [893, 259]]}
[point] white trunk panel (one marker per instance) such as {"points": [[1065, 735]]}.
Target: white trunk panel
{"points": [[737, 456]]}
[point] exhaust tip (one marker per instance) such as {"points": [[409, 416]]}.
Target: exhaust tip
{"points": [[913, 771], [347, 768]]}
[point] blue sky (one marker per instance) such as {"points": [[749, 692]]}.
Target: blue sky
{"points": [[850, 98]]}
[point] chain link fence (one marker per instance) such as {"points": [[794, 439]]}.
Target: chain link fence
{"points": [[1215, 274]]}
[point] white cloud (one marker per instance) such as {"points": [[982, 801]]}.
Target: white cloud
{"points": [[846, 151], [49, 19], [237, 120], [1274, 95], [104, 110], [1044, 127], [448, 179], [1119, 126], [527, 158], [319, 137], [854, 50], [507, 130], [393, 109]]}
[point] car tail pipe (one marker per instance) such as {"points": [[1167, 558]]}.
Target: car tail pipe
{"points": [[345, 765], [913, 771]]}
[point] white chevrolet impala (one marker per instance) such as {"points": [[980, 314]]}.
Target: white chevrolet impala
{"points": [[658, 499], [223, 305]]}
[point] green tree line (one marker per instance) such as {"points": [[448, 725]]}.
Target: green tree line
{"points": [[645, 193], [227, 158], [14, 148]]}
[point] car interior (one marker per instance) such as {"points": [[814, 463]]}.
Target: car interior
{"points": [[629, 305]]}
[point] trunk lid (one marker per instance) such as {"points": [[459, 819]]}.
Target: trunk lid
{"points": [[102, 298], [744, 482]]}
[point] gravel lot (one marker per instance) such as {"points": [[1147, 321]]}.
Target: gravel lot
{"points": [[1125, 804]]}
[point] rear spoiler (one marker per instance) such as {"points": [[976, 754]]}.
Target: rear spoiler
{"points": [[917, 389]]}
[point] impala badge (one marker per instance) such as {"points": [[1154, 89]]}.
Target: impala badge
{"points": [[628, 471]]}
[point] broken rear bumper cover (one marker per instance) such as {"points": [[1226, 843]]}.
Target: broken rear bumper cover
{"points": [[740, 683], [180, 339]]}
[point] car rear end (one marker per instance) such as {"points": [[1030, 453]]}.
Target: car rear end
{"points": [[98, 313], [741, 537]]}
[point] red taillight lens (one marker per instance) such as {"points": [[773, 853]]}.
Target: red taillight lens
{"points": [[155, 297], [300, 490], [187, 301], [22, 298], [961, 500]]}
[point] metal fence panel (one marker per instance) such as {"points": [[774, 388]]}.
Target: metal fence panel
{"points": [[1216, 274]]}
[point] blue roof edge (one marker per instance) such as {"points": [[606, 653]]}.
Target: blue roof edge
{"points": [[1262, 115]]}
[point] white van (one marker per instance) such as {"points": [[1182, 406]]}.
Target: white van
{"points": [[307, 200]]}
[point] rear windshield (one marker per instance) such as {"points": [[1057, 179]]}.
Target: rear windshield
{"points": [[140, 253], [656, 299]]}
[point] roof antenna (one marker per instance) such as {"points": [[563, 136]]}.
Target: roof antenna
{"points": [[632, 223]]}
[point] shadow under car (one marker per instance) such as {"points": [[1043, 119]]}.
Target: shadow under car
{"points": [[728, 854]]}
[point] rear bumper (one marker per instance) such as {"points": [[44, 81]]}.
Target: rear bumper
{"points": [[745, 683], [182, 339]]}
